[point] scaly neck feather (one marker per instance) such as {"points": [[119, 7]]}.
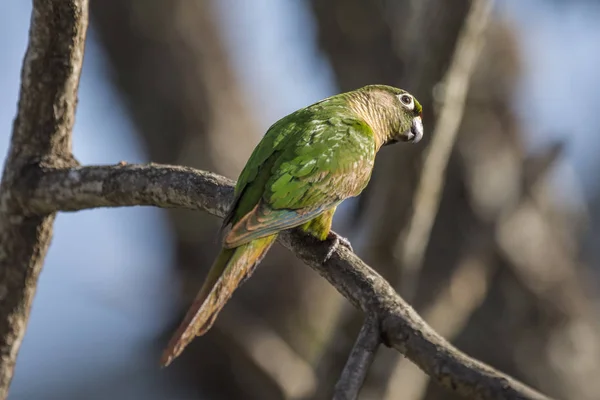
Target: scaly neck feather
{"points": [[377, 108]]}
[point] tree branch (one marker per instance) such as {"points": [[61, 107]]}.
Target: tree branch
{"points": [[360, 360], [41, 136], [401, 327], [165, 186]]}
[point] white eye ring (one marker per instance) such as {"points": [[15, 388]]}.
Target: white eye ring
{"points": [[407, 101]]}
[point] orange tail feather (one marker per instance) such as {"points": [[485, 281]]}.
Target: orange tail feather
{"points": [[231, 268]]}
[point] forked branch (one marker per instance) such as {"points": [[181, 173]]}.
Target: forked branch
{"points": [[72, 189], [40, 179]]}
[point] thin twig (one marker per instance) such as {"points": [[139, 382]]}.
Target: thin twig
{"points": [[401, 327], [412, 242], [359, 361], [41, 136]]}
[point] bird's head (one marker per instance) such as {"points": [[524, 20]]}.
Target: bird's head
{"points": [[393, 114], [409, 119]]}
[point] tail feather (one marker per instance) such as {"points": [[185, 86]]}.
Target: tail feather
{"points": [[230, 269]]}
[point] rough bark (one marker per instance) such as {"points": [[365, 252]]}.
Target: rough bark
{"points": [[41, 138]]}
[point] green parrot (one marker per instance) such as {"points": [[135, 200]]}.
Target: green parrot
{"points": [[306, 164]]}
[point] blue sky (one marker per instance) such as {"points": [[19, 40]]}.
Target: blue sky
{"points": [[106, 287], [561, 89]]}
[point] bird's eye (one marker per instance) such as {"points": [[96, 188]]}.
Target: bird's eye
{"points": [[406, 99]]}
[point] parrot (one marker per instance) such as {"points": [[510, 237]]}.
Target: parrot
{"points": [[304, 166]]}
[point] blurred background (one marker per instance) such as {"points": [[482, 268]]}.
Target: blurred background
{"points": [[510, 272]]}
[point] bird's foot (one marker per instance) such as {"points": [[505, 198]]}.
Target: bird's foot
{"points": [[336, 241]]}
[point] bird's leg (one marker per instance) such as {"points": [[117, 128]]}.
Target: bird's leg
{"points": [[320, 227], [336, 240]]}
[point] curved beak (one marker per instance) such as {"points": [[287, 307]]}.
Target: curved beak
{"points": [[416, 130]]}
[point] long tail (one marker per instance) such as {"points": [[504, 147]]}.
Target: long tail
{"points": [[231, 268]]}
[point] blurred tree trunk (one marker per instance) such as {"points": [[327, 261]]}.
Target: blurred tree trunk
{"points": [[500, 273], [170, 64]]}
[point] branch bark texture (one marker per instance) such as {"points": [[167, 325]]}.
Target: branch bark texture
{"points": [[78, 188], [41, 136]]}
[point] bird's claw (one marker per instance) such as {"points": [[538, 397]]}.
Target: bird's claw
{"points": [[336, 241]]}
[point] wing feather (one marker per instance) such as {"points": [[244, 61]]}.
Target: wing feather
{"points": [[315, 172]]}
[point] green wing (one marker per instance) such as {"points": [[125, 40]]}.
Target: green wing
{"points": [[307, 163]]}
